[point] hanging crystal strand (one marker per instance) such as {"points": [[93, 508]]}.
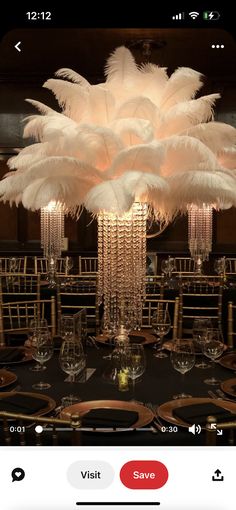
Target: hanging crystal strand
{"points": [[122, 268], [52, 233], [200, 233]]}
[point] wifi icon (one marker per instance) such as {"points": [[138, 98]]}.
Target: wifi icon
{"points": [[193, 14]]}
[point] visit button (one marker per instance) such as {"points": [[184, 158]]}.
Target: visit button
{"points": [[144, 474]]}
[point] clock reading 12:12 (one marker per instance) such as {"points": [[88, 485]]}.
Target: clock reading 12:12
{"points": [[46, 16]]}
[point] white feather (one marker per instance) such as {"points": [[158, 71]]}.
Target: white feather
{"points": [[109, 196], [140, 108], [181, 86], [121, 66], [101, 105], [140, 185], [227, 158], [133, 131], [72, 98], [43, 108], [101, 145], [215, 135], [68, 191], [72, 76], [143, 158], [187, 114], [183, 153], [45, 128], [197, 187], [152, 81]]}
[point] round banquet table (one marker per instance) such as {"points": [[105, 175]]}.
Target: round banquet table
{"points": [[157, 386]]}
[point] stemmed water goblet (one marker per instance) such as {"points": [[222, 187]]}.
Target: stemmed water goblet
{"points": [[72, 361], [133, 363], [213, 348], [161, 325], [42, 351], [200, 327], [182, 358]]}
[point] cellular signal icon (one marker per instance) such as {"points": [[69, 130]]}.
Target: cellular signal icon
{"points": [[179, 16]]}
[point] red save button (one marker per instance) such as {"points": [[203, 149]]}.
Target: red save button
{"points": [[144, 474]]}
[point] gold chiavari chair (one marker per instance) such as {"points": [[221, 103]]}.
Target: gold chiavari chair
{"points": [[15, 317], [13, 264], [173, 305], [184, 265], [230, 266], [19, 286], [154, 291], [41, 265], [231, 324], [88, 265], [200, 297], [52, 428], [75, 293]]}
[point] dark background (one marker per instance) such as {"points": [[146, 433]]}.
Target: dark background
{"points": [[44, 50]]}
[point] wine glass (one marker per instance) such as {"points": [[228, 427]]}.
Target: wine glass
{"points": [[72, 362], [213, 348], [161, 325], [183, 359], [42, 351], [200, 326], [37, 327], [67, 327], [13, 265], [133, 363]]}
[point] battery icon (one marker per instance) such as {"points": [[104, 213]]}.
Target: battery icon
{"points": [[211, 15]]}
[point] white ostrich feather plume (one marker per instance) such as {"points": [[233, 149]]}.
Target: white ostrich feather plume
{"points": [[133, 131], [72, 76], [121, 67], [215, 135], [227, 158], [187, 114], [44, 128], [43, 108], [140, 108], [183, 84], [140, 185], [72, 98], [101, 105], [184, 153], [143, 158], [109, 196]]}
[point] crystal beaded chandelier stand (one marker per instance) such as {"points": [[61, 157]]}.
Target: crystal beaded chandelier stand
{"points": [[52, 233], [200, 233], [122, 268]]}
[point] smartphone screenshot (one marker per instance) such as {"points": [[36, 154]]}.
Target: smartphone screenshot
{"points": [[117, 258]]}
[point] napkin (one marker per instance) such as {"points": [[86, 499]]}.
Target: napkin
{"points": [[22, 404], [104, 418], [8, 355], [198, 413]]}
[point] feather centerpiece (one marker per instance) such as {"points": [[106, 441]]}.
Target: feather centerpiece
{"points": [[140, 139]]}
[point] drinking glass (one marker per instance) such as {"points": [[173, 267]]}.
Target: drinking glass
{"points": [[200, 327], [67, 327], [213, 348], [133, 363], [72, 359], [37, 328], [161, 325], [42, 351], [183, 359]]}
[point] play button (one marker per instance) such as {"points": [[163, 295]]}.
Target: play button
{"points": [[144, 474]]}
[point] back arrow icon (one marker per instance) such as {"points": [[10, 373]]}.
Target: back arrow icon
{"points": [[17, 46]]}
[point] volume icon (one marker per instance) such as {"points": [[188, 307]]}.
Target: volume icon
{"points": [[195, 429]]}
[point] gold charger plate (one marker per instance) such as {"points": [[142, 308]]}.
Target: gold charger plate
{"points": [[227, 387], [148, 338], [145, 415], [26, 356], [50, 404], [228, 361], [6, 378], [165, 411]]}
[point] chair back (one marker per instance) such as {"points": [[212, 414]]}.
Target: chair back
{"points": [[88, 265], [20, 286], [184, 265], [13, 264], [173, 306]]}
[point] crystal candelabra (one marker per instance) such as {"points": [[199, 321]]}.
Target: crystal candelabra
{"points": [[122, 268], [200, 233], [52, 233]]}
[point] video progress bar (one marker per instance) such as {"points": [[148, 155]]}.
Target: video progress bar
{"points": [[119, 503]]}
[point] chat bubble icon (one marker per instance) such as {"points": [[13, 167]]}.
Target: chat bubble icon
{"points": [[18, 474]]}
